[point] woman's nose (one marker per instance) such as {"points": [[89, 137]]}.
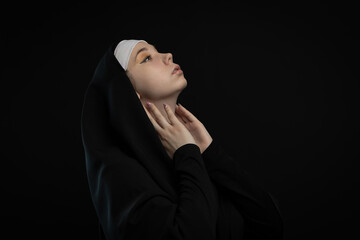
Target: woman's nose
{"points": [[168, 58]]}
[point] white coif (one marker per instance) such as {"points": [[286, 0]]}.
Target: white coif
{"points": [[123, 51]]}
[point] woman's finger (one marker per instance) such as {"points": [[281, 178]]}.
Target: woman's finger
{"points": [[173, 119], [180, 118], [189, 117], [180, 114], [153, 121], [159, 118]]}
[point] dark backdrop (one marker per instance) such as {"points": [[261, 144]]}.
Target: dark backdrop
{"points": [[276, 84]]}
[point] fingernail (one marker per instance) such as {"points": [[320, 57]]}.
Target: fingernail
{"points": [[148, 104], [165, 106]]}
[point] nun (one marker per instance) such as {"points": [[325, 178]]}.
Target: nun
{"points": [[154, 171]]}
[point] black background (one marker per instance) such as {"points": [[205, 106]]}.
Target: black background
{"points": [[276, 84]]}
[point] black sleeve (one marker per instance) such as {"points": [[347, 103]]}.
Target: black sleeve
{"points": [[261, 212], [135, 208]]}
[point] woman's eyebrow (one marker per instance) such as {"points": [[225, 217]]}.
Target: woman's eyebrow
{"points": [[144, 49]]}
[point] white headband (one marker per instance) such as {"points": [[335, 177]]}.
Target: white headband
{"points": [[123, 51]]}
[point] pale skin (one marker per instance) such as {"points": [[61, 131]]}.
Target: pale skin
{"points": [[151, 74]]}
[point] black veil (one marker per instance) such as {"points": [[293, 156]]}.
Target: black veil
{"points": [[122, 148]]}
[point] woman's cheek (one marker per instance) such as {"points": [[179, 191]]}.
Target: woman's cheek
{"points": [[151, 79], [148, 85]]}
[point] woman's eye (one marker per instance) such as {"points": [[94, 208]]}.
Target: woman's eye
{"points": [[146, 59]]}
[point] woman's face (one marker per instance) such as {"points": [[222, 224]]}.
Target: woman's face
{"points": [[152, 73]]}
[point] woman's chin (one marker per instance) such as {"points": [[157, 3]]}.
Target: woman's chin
{"points": [[183, 79]]}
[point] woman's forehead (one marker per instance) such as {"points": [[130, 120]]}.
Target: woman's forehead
{"points": [[140, 47]]}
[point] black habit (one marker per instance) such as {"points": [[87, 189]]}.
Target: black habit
{"points": [[140, 193]]}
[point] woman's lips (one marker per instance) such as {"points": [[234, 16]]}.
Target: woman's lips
{"points": [[177, 70]]}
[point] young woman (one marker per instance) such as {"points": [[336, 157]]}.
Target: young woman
{"points": [[154, 171]]}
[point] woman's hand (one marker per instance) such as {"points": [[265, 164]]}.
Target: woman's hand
{"points": [[195, 127], [172, 135]]}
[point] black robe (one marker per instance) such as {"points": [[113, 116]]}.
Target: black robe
{"points": [[140, 193]]}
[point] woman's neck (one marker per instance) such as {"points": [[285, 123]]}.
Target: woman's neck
{"points": [[170, 102]]}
